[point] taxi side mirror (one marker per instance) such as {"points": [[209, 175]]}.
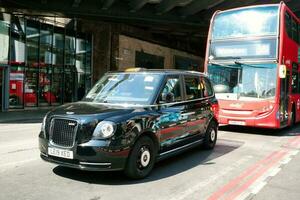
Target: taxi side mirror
{"points": [[167, 98]]}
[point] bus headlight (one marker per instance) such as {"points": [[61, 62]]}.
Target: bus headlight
{"points": [[104, 129]]}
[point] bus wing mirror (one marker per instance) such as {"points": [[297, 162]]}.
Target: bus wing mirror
{"points": [[282, 71]]}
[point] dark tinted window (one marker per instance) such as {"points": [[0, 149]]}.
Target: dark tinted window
{"points": [[288, 24], [292, 28], [206, 87], [295, 78], [192, 87], [295, 30], [171, 91], [298, 82]]}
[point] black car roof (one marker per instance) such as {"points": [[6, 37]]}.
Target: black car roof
{"points": [[160, 71]]}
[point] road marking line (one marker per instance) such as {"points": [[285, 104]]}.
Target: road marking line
{"points": [[286, 160], [248, 172], [295, 152], [275, 171], [258, 187], [258, 174], [191, 190], [237, 188]]}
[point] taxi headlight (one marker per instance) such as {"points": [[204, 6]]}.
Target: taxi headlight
{"points": [[104, 129], [44, 124]]}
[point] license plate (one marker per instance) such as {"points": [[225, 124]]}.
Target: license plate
{"points": [[60, 153], [236, 122]]}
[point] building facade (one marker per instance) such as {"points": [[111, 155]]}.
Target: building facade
{"points": [[48, 61], [43, 62]]}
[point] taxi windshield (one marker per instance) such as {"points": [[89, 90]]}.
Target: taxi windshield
{"points": [[130, 88]]}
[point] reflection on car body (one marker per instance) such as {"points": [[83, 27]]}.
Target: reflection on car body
{"points": [[129, 120]]}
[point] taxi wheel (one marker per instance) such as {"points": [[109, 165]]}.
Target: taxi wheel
{"points": [[210, 138], [141, 159]]}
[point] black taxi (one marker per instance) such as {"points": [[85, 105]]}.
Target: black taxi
{"points": [[131, 119]]}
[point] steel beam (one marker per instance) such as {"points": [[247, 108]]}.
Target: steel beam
{"points": [[136, 5], [76, 3], [107, 4], [167, 5], [197, 6]]}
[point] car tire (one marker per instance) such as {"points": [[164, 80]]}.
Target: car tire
{"points": [[210, 137], [141, 159]]}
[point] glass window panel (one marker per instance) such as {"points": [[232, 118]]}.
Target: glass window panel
{"points": [[245, 22], [17, 40], [32, 43], [45, 95], [31, 87], [58, 49], [88, 55], [45, 64], [294, 30], [80, 55], [171, 91], [80, 86], [31, 75], [193, 88], [70, 50], [57, 82], [206, 87], [288, 24], [4, 37], [70, 81], [57, 63], [16, 86]]}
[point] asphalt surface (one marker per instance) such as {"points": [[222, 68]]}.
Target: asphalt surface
{"points": [[245, 164]]}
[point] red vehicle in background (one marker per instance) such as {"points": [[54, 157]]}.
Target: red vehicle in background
{"points": [[252, 58], [30, 94]]}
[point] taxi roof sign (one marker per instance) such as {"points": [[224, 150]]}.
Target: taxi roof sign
{"points": [[134, 69]]}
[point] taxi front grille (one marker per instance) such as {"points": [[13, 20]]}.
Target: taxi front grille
{"points": [[63, 132]]}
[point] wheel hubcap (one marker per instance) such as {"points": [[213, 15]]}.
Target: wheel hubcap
{"points": [[213, 135], [145, 157]]}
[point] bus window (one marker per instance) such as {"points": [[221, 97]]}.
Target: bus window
{"points": [[288, 24], [295, 78], [298, 82], [299, 39], [295, 30]]}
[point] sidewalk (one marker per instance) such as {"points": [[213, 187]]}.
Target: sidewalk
{"points": [[24, 116]]}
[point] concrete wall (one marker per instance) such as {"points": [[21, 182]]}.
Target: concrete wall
{"points": [[102, 42], [113, 49], [129, 45]]}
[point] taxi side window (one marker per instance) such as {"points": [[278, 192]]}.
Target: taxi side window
{"points": [[206, 87], [192, 87], [171, 91]]}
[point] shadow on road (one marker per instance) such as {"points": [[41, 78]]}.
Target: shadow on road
{"points": [[163, 169]]}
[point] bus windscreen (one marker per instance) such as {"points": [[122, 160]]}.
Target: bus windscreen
{"points": [[253, 21]]}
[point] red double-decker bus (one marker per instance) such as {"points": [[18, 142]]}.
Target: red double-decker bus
{"points": [[252, 58]]}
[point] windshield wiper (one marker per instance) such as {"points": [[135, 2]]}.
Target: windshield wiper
{"points": [[223, 65], [247, 65]]}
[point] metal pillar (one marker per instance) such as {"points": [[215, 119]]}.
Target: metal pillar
{"points": [[5, 88]]}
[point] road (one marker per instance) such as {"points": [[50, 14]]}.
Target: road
{"points": [[246, 164]]}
